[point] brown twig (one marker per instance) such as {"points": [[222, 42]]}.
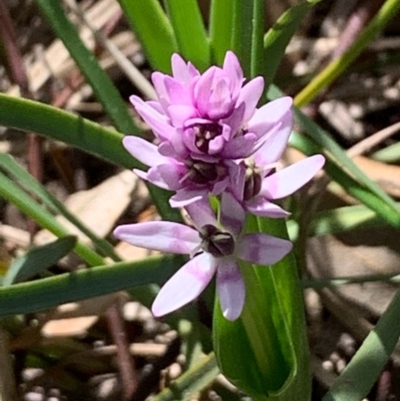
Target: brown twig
{"points": [[18, 75], [125, 360]]}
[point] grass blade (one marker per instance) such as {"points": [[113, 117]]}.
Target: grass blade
{"points": [[155, 33], [81, 133], [191, 36], [46, 293], [363, 370], [221, 28], [103, 88]]}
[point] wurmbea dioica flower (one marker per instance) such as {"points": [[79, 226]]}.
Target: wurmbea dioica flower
{"points": [[212, 139], [214, 247]]}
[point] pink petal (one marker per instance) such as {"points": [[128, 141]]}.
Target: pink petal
{"points": [[158, 122], [262, 249], [181, 71], [185, 197], [232, 213], [250, 95], [179, 114], [262, 207], [152, 176], [185, 285], [143, 151], [234, 72], [290, 179], [161, 236], [231, 289], [274, 143], [269, 115], [240, 147], [200, 213]]}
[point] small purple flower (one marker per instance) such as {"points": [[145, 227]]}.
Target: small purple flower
{"points": [[203, 114], [214, 249]]}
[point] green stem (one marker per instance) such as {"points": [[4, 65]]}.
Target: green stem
{"points": [[336, 67]]}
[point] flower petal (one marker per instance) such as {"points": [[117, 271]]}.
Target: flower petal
{"points": [[290, 179], [143, 151], [185, 285], [232, 213], [250, 95], [262, 249], [187, 196], [200, 213], [262, 207], [160, 235], [231, 289]]}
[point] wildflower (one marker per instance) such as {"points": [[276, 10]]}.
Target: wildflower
{"points": [[214, 248]]}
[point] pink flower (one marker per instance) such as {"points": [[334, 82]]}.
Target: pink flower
{"points": [[203, 114], [214, 249]]}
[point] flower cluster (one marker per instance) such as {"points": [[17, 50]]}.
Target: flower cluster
{"points": [[213, 140]]}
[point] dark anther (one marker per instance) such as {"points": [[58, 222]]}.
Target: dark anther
{"points": [[216, 242], [204, 134], [252, 185], [204, 173]]}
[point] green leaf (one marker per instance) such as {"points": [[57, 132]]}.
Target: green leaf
{"points": [[191, 36], [258, 59], [155, 33], [191, 382], [389, 9], [14, 194], [103, 88], [221, 28], [242, 34], [390, 154], [86, 135], [340, 167], [279, 36], [46, 293], [35, 188], [38, 259], [269, 339], [360, 374]]}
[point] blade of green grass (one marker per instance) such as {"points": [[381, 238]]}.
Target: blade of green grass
{"points": [[38, 259], [103, 88], [14, 194], [390, 154], [81, 133], [258, 59], [279, 35], [154, 30], [363, 370], [242, 34], [191, 382], [221, 28], [35, 188], [389, 9], [46, 293], [191, 36], [340, 167]]}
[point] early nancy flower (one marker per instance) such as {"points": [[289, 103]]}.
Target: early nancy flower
{"points": [[214, 248]]}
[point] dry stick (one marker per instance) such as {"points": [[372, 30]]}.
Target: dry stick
{"points": [[133, 74], [125, 361], [16, 63], [361, 15]]}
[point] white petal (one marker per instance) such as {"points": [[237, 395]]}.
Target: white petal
{"points": [[262, 249], [262, 207], [160, 235], [232, 213], [290, 179], [231, 289], [185, 285], [143, 151], [200, 213]]}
